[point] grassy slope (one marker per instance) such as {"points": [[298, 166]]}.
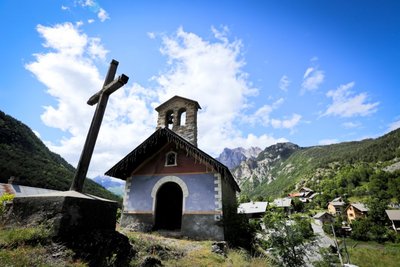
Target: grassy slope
{"points": [[305, 163], [31, 247], [372, 254], [23, 154]]}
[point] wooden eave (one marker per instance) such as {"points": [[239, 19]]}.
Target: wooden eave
{"points": [[126, 166]]}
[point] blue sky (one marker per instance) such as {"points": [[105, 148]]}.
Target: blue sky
{"points": [[309, 72]]}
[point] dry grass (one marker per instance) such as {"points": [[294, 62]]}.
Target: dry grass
{"points": [[183, 252], [369, 254], [31, 247]]}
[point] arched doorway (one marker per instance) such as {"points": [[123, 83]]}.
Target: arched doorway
{"points": [[168, 210]]}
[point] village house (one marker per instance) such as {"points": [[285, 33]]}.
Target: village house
{"points": [[305, 194], [323, 217], [284, 204], [173, 185], [394, 217], [336, 206], [253, 209], [355, 211]]}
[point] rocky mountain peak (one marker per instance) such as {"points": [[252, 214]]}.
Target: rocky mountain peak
{"points": [[233, 157], [278, 151]]}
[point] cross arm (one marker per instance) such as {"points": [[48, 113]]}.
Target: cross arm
{"points": [[109, 89]]}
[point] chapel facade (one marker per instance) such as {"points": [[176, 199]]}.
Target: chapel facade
{"points": [[173, 185]]}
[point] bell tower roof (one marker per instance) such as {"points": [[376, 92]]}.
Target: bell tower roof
{"points": [[177, 98]]}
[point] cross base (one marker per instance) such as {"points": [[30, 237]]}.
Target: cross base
{"points": [[65, 213]]}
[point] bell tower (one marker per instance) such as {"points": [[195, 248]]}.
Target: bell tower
{"points": [[179, 114]]}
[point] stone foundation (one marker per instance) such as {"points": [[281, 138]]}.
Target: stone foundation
{"points": [[202, 227], [196, 226]]}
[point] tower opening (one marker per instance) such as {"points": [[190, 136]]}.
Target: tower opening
{"points": [[182, 117], [169, 119]]}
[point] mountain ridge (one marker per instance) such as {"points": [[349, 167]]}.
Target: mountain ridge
{"points": [[283, 167], [24, 156]]}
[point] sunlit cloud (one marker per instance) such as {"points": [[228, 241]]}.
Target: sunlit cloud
{"points": [[328, 142], [284, 83], [312, 79], [286, 123], [208, 71], [394, 125], [103, 15], [212, 73], [351, 125], [95, 7], [263, 117], [346, 103]]}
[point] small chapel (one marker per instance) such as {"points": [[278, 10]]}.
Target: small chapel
{"points": [[171, 184]]}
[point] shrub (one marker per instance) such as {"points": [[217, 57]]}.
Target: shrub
{"points": [[3, 200], [361, 230], [239, 231]]}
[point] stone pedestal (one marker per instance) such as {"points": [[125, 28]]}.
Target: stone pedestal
{"points": [[65, 213], [83, 223]]}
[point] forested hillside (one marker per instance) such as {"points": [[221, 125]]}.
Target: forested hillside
{"points": [[24, 156], [353, 168]]}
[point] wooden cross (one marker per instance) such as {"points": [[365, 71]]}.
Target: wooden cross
{"points": [[110, 86]]}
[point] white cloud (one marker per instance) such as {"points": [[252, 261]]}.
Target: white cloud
{"points": [[328, 142], [312, 79], [221, 34], [263, 117], [284, 83], [207, 71], [63, 38], [71, 77], [96, 49], [36, 133], [84, 3], [211, 73], [64, 7], [151, 35], [95, 7], [288, 123], [90, 21], [347, 104], [394, 125], [351, 125], [103, 15]]}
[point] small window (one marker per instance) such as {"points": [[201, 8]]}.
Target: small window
{"points": [[170, 159]]}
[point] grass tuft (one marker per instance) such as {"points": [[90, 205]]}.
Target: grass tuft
{"points": [[15, 237]]}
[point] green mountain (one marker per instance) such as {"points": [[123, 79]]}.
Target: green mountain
{"points": [[356, 169], [24, 156]]}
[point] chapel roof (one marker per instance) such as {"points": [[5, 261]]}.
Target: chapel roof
{"points": [[153, 144]]}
